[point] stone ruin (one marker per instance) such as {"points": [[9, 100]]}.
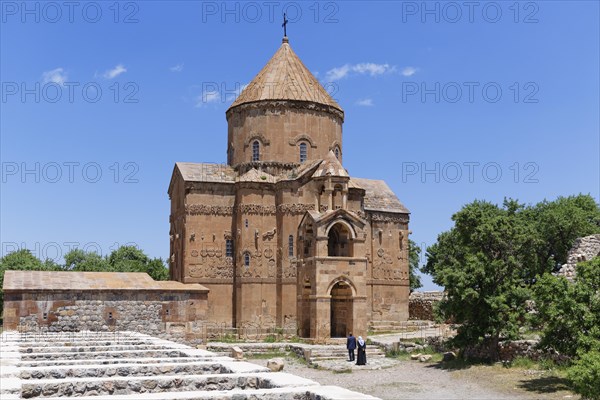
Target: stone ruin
{"points": [[584, 249], [126, 365], [421, 304]]}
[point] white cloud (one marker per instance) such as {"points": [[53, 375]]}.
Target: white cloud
{"points": [[371, 69], [176, 68], [57, 75], [365, 102], [337, 73], [207, 98], [116, 71], [409, 71]]}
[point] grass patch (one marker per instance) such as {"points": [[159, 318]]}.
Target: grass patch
{"points": [[267, 355], [226, 338], [270, 339], [521, 362], [342, 371]]}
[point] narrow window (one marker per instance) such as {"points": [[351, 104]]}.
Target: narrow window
{"points": [[246, 259], [337, 153], [45, 315], [303, 152], [291, 246], [228, 248], [246, 223], [167, 311], [255, 151], [109, 315]]}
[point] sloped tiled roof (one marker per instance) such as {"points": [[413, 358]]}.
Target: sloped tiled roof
{"points": [[70, 280], [379, 196], [285, 77], [206, 172], [330, 166]]}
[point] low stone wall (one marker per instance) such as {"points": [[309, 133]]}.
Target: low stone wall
{"points": [[420, 305], [510, 349], [173, 315]]}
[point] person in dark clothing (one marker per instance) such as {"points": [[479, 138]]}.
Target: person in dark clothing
{"points": [[351, 345], [361, 359]]}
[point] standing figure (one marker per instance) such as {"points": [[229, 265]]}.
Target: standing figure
{"points": [[351, 345], [362, 352]]}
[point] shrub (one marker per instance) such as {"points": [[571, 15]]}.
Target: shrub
{"points": [[585, 375]]}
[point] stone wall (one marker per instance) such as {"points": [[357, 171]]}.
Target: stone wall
{"points": [[421, 305], [174, 315], [584, 249]]}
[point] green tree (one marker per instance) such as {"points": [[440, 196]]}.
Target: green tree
{"points": [[481, 262], [22, 260], [414, 253], [585, 375], [570, 312], [80, 260], [132, 259], [557, 224]]}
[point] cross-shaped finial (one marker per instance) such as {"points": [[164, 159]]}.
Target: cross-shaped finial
{"points": [[285, 21]]}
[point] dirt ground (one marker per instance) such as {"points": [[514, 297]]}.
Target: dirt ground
{"points": [[414, 380]]}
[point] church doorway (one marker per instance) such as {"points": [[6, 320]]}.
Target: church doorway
{"points": [[341, 309], [338, 241]]}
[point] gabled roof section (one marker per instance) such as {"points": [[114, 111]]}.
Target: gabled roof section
{"points": [[72, 280], [330, 166], [255, 175], [379, 196], [205, 172], [285, 77]]}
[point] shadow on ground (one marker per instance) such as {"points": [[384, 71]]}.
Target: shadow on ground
{"points": [[547, 384], [455, 365]]}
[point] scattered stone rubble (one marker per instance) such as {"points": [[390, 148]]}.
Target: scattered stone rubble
{"points": [[127, 365]]}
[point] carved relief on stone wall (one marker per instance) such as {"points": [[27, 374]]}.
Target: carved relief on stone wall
{"points": [[260, 267], [227, 235], [201, 209], [268, 252], [397, 219], [323, 208], [268, 235], [295, 209], [359, 214], [383, 267], [255, 209], [289, 271], [212, 268]]}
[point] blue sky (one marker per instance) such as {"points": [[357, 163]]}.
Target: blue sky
{"points": [[446, 101]]}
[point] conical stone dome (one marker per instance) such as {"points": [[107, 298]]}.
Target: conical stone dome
{"points": [[285, 77]]}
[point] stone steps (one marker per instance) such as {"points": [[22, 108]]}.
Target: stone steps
{"points": [[144, 368], [296, 393], [81, 343], [103, 354], [90, 348], [106, 362], [123, 369], [156, 384]]}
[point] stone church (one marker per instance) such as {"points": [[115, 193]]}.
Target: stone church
{"points": [[282, 233]]}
